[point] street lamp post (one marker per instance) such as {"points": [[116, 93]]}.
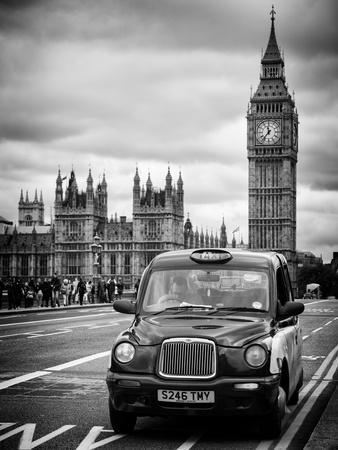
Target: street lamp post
{"points": [[96, 251]]}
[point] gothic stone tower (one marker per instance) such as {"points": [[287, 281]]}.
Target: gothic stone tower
{"points": [[158, 217], [272, 144], [78, 215], [31, 213]]}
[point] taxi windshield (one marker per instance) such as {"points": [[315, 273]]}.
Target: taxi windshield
{"points": [[201, 288]]}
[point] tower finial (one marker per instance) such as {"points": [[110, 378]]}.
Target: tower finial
{"points": [[273, 13]]}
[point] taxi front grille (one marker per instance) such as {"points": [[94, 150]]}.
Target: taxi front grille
{"points": [[188, 358]]}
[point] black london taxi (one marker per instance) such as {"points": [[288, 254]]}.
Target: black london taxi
{"points": [[215, 332]]}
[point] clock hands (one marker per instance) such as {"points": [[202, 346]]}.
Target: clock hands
{"points": [[268, 132]]}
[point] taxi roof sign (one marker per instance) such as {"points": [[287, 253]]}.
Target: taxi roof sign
{"points": [[211, 255]]}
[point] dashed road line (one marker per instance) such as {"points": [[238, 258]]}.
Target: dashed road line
{"points": [[50, 320], [49, 370], [48, 334]]}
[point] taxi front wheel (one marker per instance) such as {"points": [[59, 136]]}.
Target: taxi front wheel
{"points": [[272, 423], [121, 422]]}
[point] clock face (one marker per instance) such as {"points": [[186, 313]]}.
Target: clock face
{"points": [[295, 135], [268, 132]]}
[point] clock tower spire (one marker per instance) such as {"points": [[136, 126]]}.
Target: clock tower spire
{"points": [[272, 144]]}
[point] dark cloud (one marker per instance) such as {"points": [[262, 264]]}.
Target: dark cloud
{"points": [[305, 26], [37, 129]]}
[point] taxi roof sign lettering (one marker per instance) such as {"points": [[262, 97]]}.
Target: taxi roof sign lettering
{"points": [[211, 256]]}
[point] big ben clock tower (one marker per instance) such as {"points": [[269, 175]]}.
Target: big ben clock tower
{"points": [[272, 143]]}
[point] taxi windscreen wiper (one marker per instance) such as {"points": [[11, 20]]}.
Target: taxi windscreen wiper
{"points": [[238, 308], [185, 307]]}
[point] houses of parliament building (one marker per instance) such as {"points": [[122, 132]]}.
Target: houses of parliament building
{"points": [[35, 250]]}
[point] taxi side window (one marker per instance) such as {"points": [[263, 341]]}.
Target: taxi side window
{"points": [[282, 290], [288, 283]]}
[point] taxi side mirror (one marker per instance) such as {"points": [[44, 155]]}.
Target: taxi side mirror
{"points": [[290, 309], [125, 306]]}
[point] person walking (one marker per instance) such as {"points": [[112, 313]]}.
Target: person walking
{"points": [[74, 290], [81, 287], [111, 290], [119, 288], [89, 289], [38, 292], [18, 293], [56, 286], [47, 292], [64, 291]]}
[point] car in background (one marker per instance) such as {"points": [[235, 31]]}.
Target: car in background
{"points": [[215, 332]]}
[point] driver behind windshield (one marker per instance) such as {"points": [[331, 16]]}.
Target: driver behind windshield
{"points": [[180, 293]]}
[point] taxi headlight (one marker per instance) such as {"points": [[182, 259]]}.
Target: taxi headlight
{"points": [[255, 355], [124, 352]]}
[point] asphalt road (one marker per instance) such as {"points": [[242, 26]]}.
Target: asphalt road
{"points": [[53, 393]]}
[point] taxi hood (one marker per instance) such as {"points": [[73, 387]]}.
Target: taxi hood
{"points": [[229, 331]]}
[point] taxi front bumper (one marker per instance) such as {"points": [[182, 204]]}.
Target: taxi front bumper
{"points": [[232, 396]]}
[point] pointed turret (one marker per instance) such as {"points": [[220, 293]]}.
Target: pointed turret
{"points": [[21, 197], [272, 53], [180, 191], [27, 199], [36, 196], [223, 241], [58, 190], [207, 239], [41, 198], [272, 64], [89, 189], [136, 191], [187, 232], [149, 184], [104, 183]]}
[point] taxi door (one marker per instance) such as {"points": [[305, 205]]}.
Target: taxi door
{"points": [[289, 327]]}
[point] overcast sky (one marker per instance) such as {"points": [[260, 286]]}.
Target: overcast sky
{"points": [[111, 84]]}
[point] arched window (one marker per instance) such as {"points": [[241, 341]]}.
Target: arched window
{"points": [[73, 228], [29, 220]]}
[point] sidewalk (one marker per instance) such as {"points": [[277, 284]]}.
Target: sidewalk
{"points": [[325, 434], [33, 309]]}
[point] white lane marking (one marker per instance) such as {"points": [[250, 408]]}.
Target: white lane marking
{"points": [[317, 301], [317, 329], [22, 379], [21, 334], [79, 361], [191, 441], [14, 315], [4, 425], [26, 441], [94, 327], [328, 323], [265, 445], [48, 334], [305, 337], [313, 357], [41, 373], [89, 442], [49, 320]]}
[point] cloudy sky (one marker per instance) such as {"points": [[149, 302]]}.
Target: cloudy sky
{"points": [[111, 84]]}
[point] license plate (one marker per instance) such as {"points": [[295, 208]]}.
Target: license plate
{"points": [[164, 395]]}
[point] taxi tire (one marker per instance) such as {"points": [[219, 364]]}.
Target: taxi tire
{"points": [[121, 422], [273, 422], [295, 396]]}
